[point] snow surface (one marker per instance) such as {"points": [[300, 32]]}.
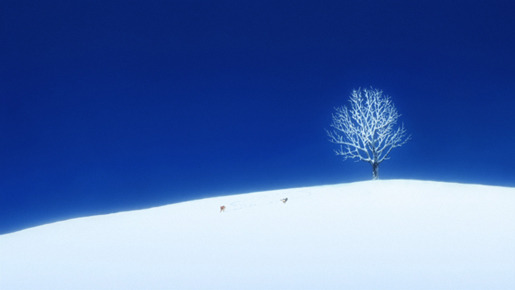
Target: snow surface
{"points": [[388, 234]]}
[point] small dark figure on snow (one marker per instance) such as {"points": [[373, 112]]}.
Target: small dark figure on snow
{"points": [[222, 208], [284, 200]]}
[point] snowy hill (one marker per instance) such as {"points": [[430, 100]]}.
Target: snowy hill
{"points": [[395, 234]]}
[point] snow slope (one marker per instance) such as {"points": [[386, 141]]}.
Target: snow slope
{"points": [[388, 234]]}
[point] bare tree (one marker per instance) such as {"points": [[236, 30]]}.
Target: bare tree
{"points": [[367, 130]]}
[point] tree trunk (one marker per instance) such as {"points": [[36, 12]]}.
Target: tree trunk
{"points": [[375, 170]]}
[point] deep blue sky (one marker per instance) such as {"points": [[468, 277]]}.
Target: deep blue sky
{"points": [[117, 105]]}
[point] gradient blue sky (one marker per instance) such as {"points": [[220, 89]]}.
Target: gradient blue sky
{"points": [[118, 105]]}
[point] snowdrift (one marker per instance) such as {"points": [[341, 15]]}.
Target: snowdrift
{"points": [[392, 234]]}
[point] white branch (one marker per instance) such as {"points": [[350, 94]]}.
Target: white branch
{"points": [[367, 129]]}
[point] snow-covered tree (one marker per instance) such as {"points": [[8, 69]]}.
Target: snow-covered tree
{"points": [[367, 130]]}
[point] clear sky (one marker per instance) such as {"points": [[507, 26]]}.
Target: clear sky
{"points": [[117, 105]]}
